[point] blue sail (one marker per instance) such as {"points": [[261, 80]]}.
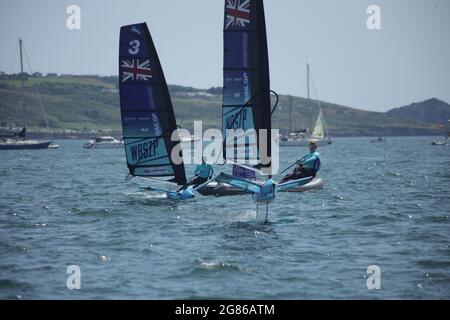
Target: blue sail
{"points": [[148, 119], [246, 85]]}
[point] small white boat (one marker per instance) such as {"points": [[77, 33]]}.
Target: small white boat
{"points": [[443, 141], [103, 142]]}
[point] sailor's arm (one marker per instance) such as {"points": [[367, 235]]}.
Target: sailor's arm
{"points": [[304, 159], [309, 162]]}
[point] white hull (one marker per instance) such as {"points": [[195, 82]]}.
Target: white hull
{"points": [[314, 184], [439, 143]]}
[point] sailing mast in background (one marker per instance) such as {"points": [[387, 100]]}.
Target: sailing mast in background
{"points": [[316, 132], [17, 140], [319, 132], [291, 129], [309, 109], [22, 86]]}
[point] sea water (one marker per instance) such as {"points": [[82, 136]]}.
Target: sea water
{"points": [[384, 204]]}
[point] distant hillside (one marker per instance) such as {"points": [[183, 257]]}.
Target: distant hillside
{"points": [[345, 121], [92, 102], [433, 111]]}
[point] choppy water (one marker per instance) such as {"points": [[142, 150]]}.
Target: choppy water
{"points": [[383, 204]]}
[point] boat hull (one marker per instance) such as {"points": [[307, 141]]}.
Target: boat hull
{"points": [[315, 184], [439, 143], [220, 189], [25, 145]]}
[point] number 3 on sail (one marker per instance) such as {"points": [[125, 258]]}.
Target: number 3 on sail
{"points": [[134, 47]]}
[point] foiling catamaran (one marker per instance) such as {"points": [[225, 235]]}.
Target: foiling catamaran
{"points": [[246, 88], [148, 121], [246, 101]]}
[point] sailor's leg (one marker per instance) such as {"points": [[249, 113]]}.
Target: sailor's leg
{"points": [[285, 178]]}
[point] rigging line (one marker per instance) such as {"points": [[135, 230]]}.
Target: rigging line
{"points": [[11, 61], [289, 167], [318, 101], [314, 87], [26, 59], [37, 91], [42, 108], [276, 102]]}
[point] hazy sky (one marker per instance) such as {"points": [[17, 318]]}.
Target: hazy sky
{"points": [[407, 60]]}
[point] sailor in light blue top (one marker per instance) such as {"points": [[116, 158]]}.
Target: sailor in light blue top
{"points": [[308, 166], [204, 170], [202, 174], [310, 159]]}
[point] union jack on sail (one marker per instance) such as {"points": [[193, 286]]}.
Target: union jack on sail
{"points": [[237, 13], [135, 70]]}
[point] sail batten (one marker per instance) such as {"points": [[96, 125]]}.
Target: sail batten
{"points": [[148, 119]]}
